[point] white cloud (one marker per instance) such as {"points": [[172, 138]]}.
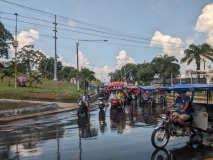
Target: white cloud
{"points": [[102, 73], [25, 38], [44, 53], [64, 63], [71, 23], [205, 23], [189, 41], [83, 61], [123, 59], [170, 45]]}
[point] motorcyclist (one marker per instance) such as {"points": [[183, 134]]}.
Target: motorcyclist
{"points": [[118, 96], [85, 97], [101, 93], [184, 109]]}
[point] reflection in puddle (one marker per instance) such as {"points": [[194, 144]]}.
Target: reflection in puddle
{"points": [[64, 136]]}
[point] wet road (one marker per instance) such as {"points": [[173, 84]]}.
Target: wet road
{"points": [[105, 135]]}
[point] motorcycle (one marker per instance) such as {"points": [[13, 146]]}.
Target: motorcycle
{"points": [[170, 127], [101, 103], [82, 109], [115, 104]]}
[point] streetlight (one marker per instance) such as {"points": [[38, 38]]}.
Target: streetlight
{"points": [[123, 67], [77, 44]]}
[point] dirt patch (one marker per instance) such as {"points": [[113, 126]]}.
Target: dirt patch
{"points": [[6, 105]]}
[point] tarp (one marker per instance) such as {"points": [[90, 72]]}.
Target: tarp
{"points": [[22, 79], [117, 85], [148, 88], [189, 87]]}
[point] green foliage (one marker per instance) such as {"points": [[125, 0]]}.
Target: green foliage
{"points": [[5, 37], [86, 76], [7, 73], [36, 80], [97, 82], [69, 72], [46, 68], [196, 53], [145, 74], [29, 58], [164, 66]]}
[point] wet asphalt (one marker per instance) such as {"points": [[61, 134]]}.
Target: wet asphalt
{"points": [[105, 135]]}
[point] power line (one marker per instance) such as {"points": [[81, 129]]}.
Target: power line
{"points": [[47, 13], [97, 30], [87, 33]]}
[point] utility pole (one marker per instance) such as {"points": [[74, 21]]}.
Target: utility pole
{"points": [[77, 44], [15, 45], [55, 63]]}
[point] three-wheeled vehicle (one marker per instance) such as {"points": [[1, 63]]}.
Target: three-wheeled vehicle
{"points": [[147, 94], [200, 121], [112, 98], [131, 94]]}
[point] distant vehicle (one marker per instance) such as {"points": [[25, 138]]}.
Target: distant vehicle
{"points": [[93, 87]]}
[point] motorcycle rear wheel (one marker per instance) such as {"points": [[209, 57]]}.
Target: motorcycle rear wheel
{"points": [[160, 154], [160, 138]]}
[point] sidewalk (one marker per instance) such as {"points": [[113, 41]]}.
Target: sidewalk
{"points": [[64, 107]]}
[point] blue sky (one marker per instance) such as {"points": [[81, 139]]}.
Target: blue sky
{"points": [[139, 30]]}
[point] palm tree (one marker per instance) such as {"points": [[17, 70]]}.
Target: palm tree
{"points": [[196, 53], [87, 76], [7, 73], [36, 80], [165, 66]]}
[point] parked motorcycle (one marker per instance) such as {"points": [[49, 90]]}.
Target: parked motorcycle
{"points": [[169, 127], [82, 109], [101, 103]]}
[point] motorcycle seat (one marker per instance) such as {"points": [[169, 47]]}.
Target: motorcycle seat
{"points": [[189, 119]]}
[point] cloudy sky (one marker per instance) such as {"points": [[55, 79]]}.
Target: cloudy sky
{"points": [[136, 31]]}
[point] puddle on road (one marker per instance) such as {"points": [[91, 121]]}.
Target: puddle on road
{"points": [[106, 134]]}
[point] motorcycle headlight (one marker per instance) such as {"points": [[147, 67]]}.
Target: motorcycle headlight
{"points": [[162, 116], [80, 103], [100, 102]]}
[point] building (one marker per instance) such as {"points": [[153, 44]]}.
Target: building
{"points": [[176, 81]]}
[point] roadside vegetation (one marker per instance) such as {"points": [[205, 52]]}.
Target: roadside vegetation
{"points": [[57, 91]]}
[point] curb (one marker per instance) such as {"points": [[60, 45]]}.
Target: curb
{"points": [[26, 116]]}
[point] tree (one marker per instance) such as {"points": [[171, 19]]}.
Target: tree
{"points": [[196, 53], [97, 82], [145, 74], [86, 76], [164, 66], [5, 36], [7, 73], [29, 57], [69, 72], [36, 80]]}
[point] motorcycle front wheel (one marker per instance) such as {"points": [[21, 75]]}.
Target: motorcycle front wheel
{"points": [[79, 113], [160, 138], [101, 107]]}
